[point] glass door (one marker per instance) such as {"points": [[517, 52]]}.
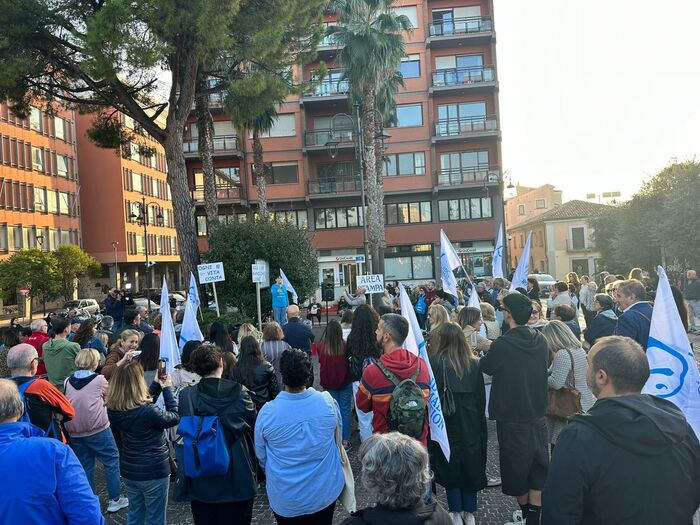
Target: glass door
{"points": [[349, 272]]}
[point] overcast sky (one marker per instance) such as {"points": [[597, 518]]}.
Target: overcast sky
{"points": [[597, 95]]}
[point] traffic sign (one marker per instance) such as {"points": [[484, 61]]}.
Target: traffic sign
{"points": [[258, 271], [373, 283], [211, 273], [24, 291]]}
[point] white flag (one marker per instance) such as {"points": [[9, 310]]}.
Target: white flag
{"points": [[168, 343], [289, 287], [190, 327], [474, 300], [523, 269], [674, 372], [193, 292], [416, 344], [497, 259], [448, 262]]}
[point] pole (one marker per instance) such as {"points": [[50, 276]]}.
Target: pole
{"points": [[144, 215], [257, 295], [116, 264], [358, 155], [216, 300], [326, 313]]}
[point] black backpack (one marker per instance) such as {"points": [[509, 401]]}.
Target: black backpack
{"points": [[407, 408]]}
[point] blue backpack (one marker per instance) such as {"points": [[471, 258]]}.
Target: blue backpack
{"points": [[205, 448], [22, 389]]}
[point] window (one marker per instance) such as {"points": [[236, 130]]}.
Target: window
{"points": [[64, 203], [521, 209], [408, 115], [59, 128], [408, 262], [407, 213], [459, 167], [540, 204], [296, 217], [62, 165], [136, 182], [410, 66], [345, 217], [578, 238], [129, 122], [35, 120], [134, 152], [3, 237], [52, 201], [140, 244], [284, 126], [463, 209], [405, 164], [281, 173], [40, 199], [410, 12], [201, 225], [37, 159]]}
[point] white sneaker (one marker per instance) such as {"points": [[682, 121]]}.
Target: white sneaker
{"points": [[456, 518], [468, 518], [117, 504], [518, 516]]}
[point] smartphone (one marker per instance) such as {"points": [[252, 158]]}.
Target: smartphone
{"points": [[135, 353], [162, 371]]}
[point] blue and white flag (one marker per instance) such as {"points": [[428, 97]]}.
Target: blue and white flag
{"points": [[289, 287], [168, 343], [193, 292], [416, 344], [190, 327], [523, 269], [673, 371], [474, 300], [449, 260], [497, 259]]}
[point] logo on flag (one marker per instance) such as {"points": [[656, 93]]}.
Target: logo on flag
{"points": [[497, 259]]}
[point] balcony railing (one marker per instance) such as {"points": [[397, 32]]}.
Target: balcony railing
{"points": [[321, 137], [463, 75], [329, 88], [328, 41], [229, 193], [475, 175], [461, 26], [221, 144], [334, 186], [573, 247], [465, 126]]}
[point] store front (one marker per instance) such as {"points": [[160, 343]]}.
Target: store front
{"points": [[341, 270], [477, 258]]}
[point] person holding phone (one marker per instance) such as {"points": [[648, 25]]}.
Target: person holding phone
{"points": [[122, 352]]}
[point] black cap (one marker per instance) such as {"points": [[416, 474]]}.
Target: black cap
{"points": [[519, 306]]}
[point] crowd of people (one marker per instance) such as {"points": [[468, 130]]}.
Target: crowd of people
{"points": [[577, 439]]}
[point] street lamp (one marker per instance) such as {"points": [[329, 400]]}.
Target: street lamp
{"points": [[142, 220], [40, 241]]}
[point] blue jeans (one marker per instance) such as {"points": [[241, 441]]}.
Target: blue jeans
{"points": [[460, 500], [100, 446], [147, 501], [280, 313], [344, 398]]}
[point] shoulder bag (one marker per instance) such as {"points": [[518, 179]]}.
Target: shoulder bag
{"points": [[447, 400], [565, 402], [347, 496]]}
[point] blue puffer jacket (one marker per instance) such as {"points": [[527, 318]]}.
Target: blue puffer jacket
{"points": [[42, 481], [144, 455]]}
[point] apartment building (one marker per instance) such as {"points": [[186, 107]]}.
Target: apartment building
{"points": [[527, 203], [442, 165], [127, 211]]}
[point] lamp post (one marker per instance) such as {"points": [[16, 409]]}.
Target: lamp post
{"points": [[116, 264], [142, 220]]}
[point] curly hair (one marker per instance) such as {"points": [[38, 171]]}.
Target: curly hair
{"points": [[295, 367], [205, 360], [362, 341], [394, 469], [85, 333]]}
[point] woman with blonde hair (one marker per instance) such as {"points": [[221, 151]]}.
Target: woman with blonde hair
{"points": [[537, 320], [126, 346], [564, 348], [488, 315], [245, 330], [145, 457], [470, 322], [273, 346], [463, 399], [437, 316]]}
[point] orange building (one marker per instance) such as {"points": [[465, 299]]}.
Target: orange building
{"points": [[442, 165], [114, 189]]}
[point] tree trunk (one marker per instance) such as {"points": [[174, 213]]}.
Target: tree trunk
{"points": [[375, 199], [379, 158], [260, 170], [205, 127]]}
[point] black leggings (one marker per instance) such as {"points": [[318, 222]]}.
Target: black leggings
{"points": [[229, 513], [322, 517]]}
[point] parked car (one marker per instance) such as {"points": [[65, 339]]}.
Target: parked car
{"points": [[143, 301], [84, 307], [545, 281]]}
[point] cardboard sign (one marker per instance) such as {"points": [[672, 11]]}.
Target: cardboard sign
{"points": [[211, 273], [374, 283]]}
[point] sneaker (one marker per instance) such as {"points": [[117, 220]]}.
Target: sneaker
{"points": [[518, 516], [456, 518], [492, 481], [347, 446], [117, 504], [468, 518]]}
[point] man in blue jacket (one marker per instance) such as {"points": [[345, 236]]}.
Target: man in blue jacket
{"points": [[42, 482], [635, 320], [296, 333], [280, 300]]}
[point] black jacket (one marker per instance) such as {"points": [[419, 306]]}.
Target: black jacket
{"points": [[263, 387], [631, 459], [231, 402], [602, 325], [422, 514], [144, 454], [518, 362], [298, 335], [466, 428]]}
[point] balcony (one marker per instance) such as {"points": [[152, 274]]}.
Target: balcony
{"points": [[223, 146], [473, 79], [479, 175], [329, 187], [578, 246], [460, 31], [327, 48], [222, 194], [317, 140], [465, 129], [327, 93]]}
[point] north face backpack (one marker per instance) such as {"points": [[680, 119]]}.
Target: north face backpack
{"points": [[407, 407], [205, 447]]}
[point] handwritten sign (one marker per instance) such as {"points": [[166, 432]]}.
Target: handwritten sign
{"points": [[374, 283], [211, 273]]}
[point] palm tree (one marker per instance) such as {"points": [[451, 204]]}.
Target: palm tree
{"points": [[370, 36]]}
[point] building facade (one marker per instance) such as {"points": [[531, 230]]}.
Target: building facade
{"points": [[562, 240], [528, 203], [442, 163], [121, 192]]}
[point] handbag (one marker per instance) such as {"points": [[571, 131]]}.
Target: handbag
{"points": [[447, 400], [347, 496], [565, 402]]}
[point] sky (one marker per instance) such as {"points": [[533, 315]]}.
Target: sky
{"points": [[597, 95]]}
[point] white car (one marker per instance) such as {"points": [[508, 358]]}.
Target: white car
{"points": [[84, 307], [545, 281], [143, 301]]}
